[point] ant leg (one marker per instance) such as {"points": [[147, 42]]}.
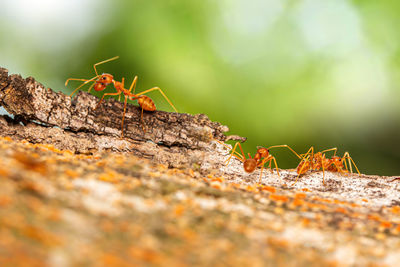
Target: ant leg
{"points": [[85, 81], [270, 159], [309, 155], [294, 152], [276, 166], [158, 88], [77, 79], [347, 156], [133, 85], [90, 88], [233, 153], [261, 164], [330, 149], [141, 119], [348, 161], [123, 116], [304, 168], [101, 100], [225, 145], [262, 168], [122, 85], [323, 174], [309, 152], [104, 61]]}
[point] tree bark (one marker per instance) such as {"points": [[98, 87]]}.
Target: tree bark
{"points": [[175, 139]]}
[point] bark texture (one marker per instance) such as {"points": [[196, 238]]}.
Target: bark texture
{"points": [[175, 139]]}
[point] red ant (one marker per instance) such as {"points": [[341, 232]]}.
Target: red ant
{"points": [[145, 102], [261, 157], [311, 161]]}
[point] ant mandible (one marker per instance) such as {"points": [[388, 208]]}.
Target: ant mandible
{"points": [[261, 157], [103, 80], [317, 161]]}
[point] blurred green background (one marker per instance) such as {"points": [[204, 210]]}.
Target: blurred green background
{"points": [[322, 73]]}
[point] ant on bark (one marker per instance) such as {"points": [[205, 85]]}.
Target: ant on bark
{"points": [[103, 80], [317, 161], [261, 157]]}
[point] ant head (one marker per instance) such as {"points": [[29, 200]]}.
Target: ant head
{"points": [[106, 78], [262, 151], [336, 159]]}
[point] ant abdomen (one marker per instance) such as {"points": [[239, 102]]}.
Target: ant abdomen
{"points": [[250, 165], [146, 103]]}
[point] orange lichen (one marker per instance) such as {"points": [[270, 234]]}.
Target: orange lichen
{"points": [[316, 206], [5, 201], [216, 185], [270, 189], [54, 215], [395, 209], [32, 187], [281, 198], [7, 138], [179, 209], [298, 202], [341, 210], [277, 242], [251, 188], [325, 200], [191, 173], [71, 173], [300, 196], [305, 190], [30, 163], [110, 177], [346, 225], [218, 179], [109, 259], [4, 172], [374, 217], [42, 236], [145, 254], [386, 224], [305, 222], [101, 163], [162, 167], [356, 215], [337, 201], [189, 234], [154, 174]]}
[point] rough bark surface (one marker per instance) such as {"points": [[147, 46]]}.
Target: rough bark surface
{"points": [[175, 139], [32, 101]]}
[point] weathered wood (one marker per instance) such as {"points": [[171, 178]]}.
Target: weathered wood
{"points": [[32, 101], [174, 139]]}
